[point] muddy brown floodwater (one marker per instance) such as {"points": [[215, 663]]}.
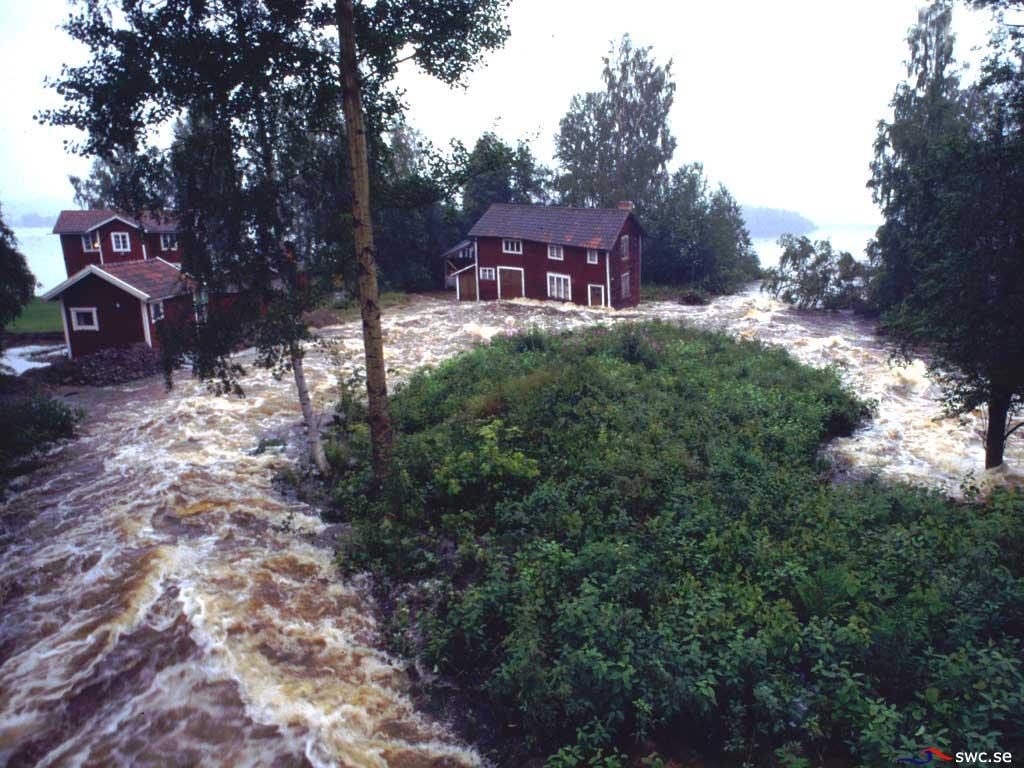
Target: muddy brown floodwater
{"points": [[162, 604]]}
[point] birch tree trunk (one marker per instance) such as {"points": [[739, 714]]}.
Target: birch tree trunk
{"points": [[369, 294], [316, 443]]}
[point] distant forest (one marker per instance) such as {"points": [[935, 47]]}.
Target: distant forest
{"points": [[773, 222]]}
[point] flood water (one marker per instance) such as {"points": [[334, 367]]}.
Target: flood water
{"points": [[162, 604]]}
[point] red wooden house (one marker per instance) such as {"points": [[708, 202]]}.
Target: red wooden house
{"points": [[589, 256], [124, 278]]}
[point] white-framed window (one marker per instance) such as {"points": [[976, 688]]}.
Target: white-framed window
{"points": [[84, 319], [625, 285], [91, 242], [121, 242], [624, 245], [512, 246], [486, 273], [556, 253], [156, 311], [591, 256], [559, 287], [168, 242]]}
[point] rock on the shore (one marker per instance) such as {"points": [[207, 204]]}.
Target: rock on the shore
{"points": [[108, 366]]}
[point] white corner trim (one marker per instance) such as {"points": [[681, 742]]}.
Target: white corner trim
{"points": [[92, 269], [608, 277], [145, 324], [476, 263], [168, 263], [67, 336], [74, 321]]}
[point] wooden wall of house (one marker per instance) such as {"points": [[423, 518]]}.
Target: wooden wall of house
{"points": [[119, 315], [179, 311], [536, 265], [77, 258], [631, 264], [154, 249]]}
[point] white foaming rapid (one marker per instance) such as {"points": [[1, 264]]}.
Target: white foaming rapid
{"points": [[160, 601]]}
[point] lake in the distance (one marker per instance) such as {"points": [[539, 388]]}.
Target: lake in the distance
{"points": [[852, 239], [42, 249]]}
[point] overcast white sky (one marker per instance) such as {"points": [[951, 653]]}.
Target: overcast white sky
{"points": [[779, 100]]}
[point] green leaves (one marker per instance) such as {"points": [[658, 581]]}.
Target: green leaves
{"points": [[625, 541]]}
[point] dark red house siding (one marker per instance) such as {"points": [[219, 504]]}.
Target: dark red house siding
{"points": [[178, 310], [153, 249], [536, 265], [119, 315], [75, 258], [135, 238], [632, 264]]}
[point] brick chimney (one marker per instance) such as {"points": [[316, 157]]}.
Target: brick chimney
{"points": [[624, 205]]}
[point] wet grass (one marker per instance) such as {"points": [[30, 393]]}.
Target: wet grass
{"points": [[38, 316]]}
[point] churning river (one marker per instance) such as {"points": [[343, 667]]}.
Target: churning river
{"points": [[162, 604]]}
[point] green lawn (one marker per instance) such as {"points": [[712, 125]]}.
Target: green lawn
{"points": [[38, 316]]}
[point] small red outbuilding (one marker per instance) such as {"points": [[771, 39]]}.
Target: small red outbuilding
{"points": [[119, 304]]}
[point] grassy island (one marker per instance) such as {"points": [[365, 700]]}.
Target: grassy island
{"points": [[623, 545]]}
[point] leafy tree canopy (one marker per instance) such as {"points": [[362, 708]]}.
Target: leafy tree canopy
{"points": [[498, 173], [697, 235], [817, 276], [949, 177], [616, 144], [17, 283]]}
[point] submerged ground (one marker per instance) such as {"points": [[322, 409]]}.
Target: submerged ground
{"points": [[156, 599]]}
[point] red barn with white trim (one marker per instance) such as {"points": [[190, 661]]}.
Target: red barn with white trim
{"points": [[589, 256]]}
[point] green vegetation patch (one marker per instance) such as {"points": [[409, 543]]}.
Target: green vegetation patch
{"points": [[29, 425], [622, 541], [38, 316]]}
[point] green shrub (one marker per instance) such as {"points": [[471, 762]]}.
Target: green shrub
{"points": [[623, 537], [28, 425]]}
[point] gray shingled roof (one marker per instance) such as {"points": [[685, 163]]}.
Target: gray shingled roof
{"points": [[154, 277], [582, 227], [80, 222]]}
